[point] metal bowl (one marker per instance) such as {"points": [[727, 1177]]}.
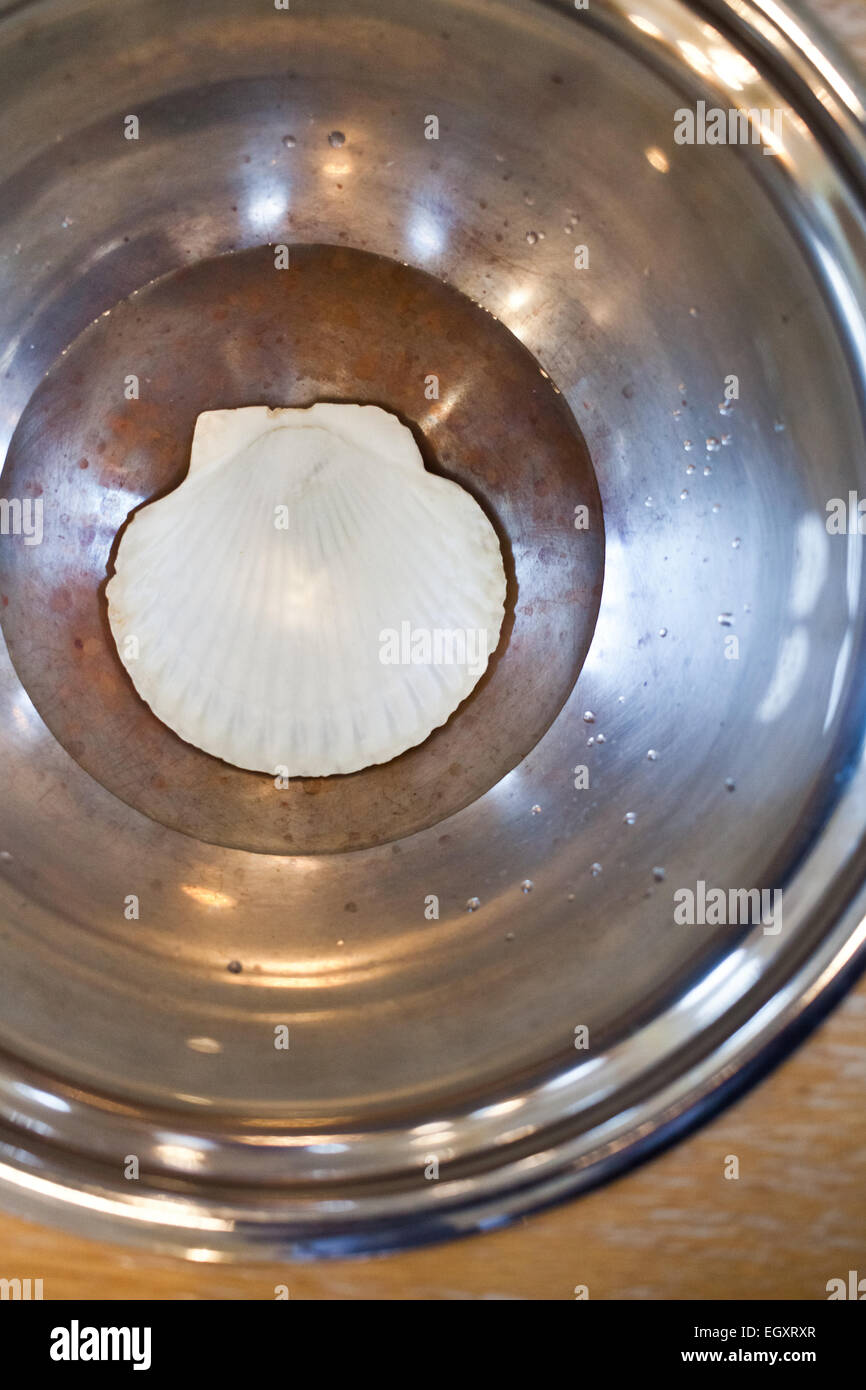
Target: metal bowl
{"points": [[169, 923]]}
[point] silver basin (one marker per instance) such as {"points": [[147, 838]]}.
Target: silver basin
{"points": [[557, 1021]]}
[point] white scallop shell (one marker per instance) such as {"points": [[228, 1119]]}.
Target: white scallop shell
{"points": [[272, 609]]}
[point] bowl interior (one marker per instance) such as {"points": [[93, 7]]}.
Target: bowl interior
{"points": [[715, 714]]}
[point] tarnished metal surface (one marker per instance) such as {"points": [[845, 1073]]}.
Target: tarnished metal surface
{"points": [[337, 324], [415, 1036]]}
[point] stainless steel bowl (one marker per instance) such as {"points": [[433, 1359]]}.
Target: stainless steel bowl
{"points": [[432, 1084]]}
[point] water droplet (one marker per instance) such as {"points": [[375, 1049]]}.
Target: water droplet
{"points": [[472, 904], [529, 200], [536, 810], [726, 440], [681, 386], [693, 311], [730, 784], [707, 470], [336, 139], [659, 875], [648, 501], [600, 738], [652, 755], [735, 543], [595, 870], [5, 856], [67, 222], [588, 716], [676, 413], [527, 885], [570, 898], [663, 632], [778, 426], [688, 445], [590, 742], [717, 506], [289, 141], [532, 238], [713, 445], [509, 936], [726, 619], [629, 817], [684, 494], [726, 407], [234, 967]]}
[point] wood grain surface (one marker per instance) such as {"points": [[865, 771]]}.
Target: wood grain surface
{"points": [[675, 1228]]}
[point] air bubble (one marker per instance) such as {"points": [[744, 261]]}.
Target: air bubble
{"points": [[532, 238], [588, 716], [595, 870], [713, 444], [652, 755], [527, 885], [289, 141], [336, 139], [726, 619], [629, 818], [473, 904], [659, 875]]}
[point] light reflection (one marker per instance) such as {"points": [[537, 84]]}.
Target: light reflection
{"points": [[695, 57], [519, 297], [41, 1097], [181, 1156], [207, 897], [657, 159], [204, 1045], [810, 565], [426, 234], [646, 26], [263, 210], [791, 665], [733, 70], [132, 1207]]}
